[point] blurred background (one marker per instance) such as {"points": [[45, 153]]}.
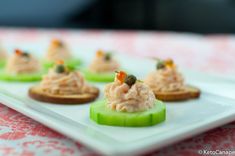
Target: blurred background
{"points": [[201, 16]]}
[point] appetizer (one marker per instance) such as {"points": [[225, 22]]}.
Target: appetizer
{"points": [[168, 84], [59, 51], [2, 56], [21, 66], [129, 102], [63, 86], [101, 68]]}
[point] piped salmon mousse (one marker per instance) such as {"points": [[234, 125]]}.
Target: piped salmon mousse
{"points": [[21, 66], [58, 50], [129, 103], [102, 67], [167, 83], [63, 86]]}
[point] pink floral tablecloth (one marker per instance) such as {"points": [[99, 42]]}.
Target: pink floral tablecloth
{"points": [[20, 135]]}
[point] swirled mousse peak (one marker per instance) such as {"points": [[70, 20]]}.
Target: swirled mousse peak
{"points": [[61, 81], [165, 78], [103, 63], [127, 94], [57, 51], [21, 63]]}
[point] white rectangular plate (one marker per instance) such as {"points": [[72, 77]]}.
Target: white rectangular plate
{"points": [[183, 120]]}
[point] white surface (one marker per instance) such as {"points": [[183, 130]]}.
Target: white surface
{"points": [[184, 119]]}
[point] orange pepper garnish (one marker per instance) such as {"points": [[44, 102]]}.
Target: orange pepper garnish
{"points": [[56, 42], [121, 75], [100, 53], [18, 52], [169, 63], [60, 62]]}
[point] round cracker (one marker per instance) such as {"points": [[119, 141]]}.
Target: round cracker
{"points": [[194, 91], [173, 96], [37, 94], [189, 92]]}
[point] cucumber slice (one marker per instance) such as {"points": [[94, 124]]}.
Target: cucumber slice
{"points": [[20, 77], [105, 116], [71, 63], [98, 77], [2, 63]]}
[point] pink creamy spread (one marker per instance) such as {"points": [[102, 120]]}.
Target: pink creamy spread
{"points": [[124, 98], [57, 51], [18, 63], [67, 83], [167, 79], [101, 65]]}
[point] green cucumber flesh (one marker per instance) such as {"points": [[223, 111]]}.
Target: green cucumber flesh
{"points": [[105, 116], [2, 63], [20, 77], [98, 77]]}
